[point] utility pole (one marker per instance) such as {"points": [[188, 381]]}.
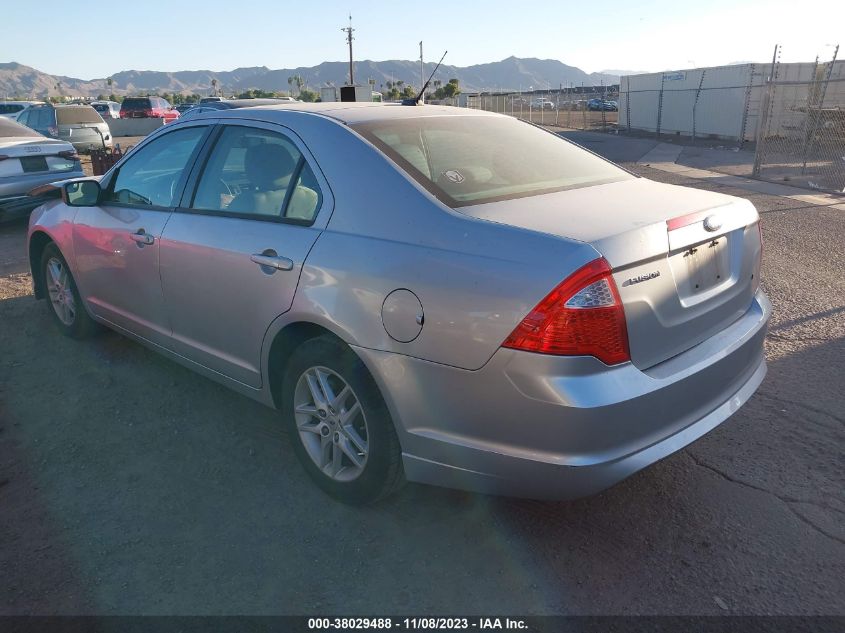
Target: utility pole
{"points": [[422, 75], [348, 30]]}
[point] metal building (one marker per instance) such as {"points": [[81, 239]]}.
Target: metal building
{"points": [[722, 102]]}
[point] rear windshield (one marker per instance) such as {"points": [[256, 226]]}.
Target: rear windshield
{"points": [[10, 129], [10, 108], [101, 107], [466, 160], [77, 114], [136, 104]]}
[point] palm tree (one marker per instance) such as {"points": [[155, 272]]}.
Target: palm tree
{"points": [[297, 80], [214, 85]]}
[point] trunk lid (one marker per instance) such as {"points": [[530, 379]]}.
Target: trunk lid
{"points": [[680, 282], [25, 155]]}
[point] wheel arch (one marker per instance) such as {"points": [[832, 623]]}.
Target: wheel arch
{"points": [[284, 342]]}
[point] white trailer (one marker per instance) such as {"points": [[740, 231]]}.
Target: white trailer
{"points": [[347, 93]]}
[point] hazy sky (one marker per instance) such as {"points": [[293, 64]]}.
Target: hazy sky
{"points": [[94, 39]]}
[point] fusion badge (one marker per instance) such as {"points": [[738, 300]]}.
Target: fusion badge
{"points": [[641, 278]]}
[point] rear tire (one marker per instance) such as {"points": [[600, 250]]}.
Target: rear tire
{"points": [[339, 424], [63, 300]]}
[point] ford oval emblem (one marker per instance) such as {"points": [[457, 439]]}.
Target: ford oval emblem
{"points": [[712, 223], [454, 176]]}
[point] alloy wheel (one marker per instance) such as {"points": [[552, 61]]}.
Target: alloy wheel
{"points": [[60, 291], [331, 423]]}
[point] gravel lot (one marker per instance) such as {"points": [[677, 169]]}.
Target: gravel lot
{"points": [[131, 485]]}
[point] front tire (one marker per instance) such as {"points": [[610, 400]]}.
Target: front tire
{"points": [[63, 300], [339, 424]]}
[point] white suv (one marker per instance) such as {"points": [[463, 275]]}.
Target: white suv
{"points": [[12, 109]]}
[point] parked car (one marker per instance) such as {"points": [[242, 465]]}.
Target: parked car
{"points": [[543, 104], [80, 125], [602, 104], [107, 109], [11, 109], [196, 111], [182, 108], [211, 99], [539, 323], [27, 160], [230, 104], [147, 107]]}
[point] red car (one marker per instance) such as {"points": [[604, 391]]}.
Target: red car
{"points": [[147, 107]]}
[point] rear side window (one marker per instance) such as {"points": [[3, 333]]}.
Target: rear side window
{"points": [[465, 160], [77, 114], [10, 108], [41, 118], [150, 175], [260, 174]]}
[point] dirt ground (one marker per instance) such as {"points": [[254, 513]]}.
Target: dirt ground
{"points": [[130, 485]]}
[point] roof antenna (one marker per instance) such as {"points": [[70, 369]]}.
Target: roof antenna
{"points": [[416, 100]]}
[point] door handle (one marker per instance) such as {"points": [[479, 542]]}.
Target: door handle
{"points": [[272, 261], [142, 237]]}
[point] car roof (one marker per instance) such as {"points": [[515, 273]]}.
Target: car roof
{"points": [[352, 113], [71, 105]]}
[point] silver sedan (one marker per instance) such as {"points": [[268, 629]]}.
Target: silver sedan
{"points": [[424, 293], [28, 160]]}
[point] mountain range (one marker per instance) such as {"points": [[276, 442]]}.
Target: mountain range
{"points": [[17, 80]]}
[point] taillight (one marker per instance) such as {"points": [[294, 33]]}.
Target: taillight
{"points": [[583, 316]]}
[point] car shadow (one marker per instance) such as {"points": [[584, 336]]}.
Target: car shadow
{"points": [[13, 257], [135, 485]]}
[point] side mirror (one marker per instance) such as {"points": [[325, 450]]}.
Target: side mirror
{"points": [[81, 193]]}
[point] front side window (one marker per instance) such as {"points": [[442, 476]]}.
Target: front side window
{"points": [[257, 173], [150, 176], [465, 160]]}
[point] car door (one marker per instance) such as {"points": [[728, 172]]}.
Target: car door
{"points": [[232, 254], [116, 242]]}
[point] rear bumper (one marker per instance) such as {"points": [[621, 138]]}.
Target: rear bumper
{"points": [[560, 428]]}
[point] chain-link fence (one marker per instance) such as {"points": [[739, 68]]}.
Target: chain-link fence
{"points": [[574, 109], [802, 131]]}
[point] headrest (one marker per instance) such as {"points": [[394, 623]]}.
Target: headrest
{"points": [[269, 166]]}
